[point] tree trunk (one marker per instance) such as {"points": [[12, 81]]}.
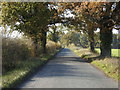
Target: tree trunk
{"points": [[91, 40], [35, 53], [54, 35], [92, 46], [106, 41], [43, 42]]}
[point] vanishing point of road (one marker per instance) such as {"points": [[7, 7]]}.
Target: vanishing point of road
{"points": [[67, 70]]}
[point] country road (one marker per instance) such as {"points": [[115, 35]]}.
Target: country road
{"points": [[66, 70]]}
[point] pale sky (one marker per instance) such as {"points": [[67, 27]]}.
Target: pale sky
{"points": [[114, 31], [16, 34]]}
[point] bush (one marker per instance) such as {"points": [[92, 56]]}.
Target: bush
{"points": [[13, 51], [52, 46]]}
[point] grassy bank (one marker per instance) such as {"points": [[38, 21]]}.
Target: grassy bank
{"points": [[23, 69], [108, 65]]}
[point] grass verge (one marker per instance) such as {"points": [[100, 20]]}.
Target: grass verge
{"points": [[23, 69], [109, 66]]}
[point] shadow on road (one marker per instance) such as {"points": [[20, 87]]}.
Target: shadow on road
{"points": [[65, 68]]}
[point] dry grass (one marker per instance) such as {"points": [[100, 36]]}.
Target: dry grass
{"points": [[109, 66], [52, 46], [14, 51]]}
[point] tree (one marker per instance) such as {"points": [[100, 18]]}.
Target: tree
{"points": [[71, 37], [29, 18], [103, 15], [81, 21], [106, 23], [53, 35]]}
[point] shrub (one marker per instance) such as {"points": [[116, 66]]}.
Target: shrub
{"points": [[17, 50], [58, 45], [13, 51], [52, 46]]}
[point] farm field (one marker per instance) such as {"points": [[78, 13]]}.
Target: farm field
{"points": [[115, 52]]}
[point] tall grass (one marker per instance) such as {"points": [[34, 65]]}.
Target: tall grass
{"points": [[13, 51]]}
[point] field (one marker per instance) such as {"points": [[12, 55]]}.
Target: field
{"points": [[115, 52]]}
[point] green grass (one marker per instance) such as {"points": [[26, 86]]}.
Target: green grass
{"points": [[12, 77], [24, 68], [115, 52]]}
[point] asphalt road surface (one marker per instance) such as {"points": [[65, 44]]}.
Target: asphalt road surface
{"points": [[66, 70]]}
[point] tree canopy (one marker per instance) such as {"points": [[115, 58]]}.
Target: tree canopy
{"points": [[33, 18]]}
